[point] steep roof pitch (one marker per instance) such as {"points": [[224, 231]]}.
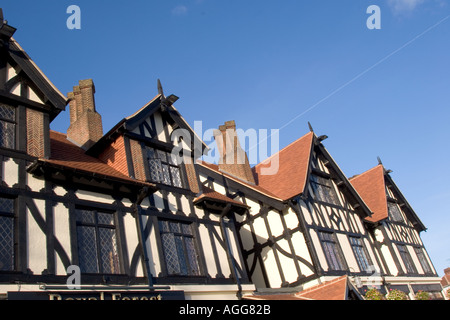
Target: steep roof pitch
{"points": [[371, 187], [290, 179]]}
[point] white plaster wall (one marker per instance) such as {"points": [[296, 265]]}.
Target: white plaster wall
{"points": [[61, 231], [36, 241]]}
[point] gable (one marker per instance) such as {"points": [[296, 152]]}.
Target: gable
{"points": [[371, 187], [22, 80], [291, 178], [154, 123]]}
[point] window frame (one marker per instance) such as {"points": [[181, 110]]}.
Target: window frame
{"points": [[358, 249], [407, 259], [323, 188], [13, 250], [332, 251], [426, 267], [198, 272], [98, 248], [13, 122], [170, 162]]}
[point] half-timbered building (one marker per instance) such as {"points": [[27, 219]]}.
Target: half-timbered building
{"points": [[134, 213], [307, 224], [120, 208], [405, 263]]}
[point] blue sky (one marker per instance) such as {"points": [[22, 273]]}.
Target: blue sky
{"points": [[272, 65]]}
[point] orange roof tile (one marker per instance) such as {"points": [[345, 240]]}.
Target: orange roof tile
{"points": [[371, 187], [336, 289], [68, 155], [290, 179], [210, 194]]}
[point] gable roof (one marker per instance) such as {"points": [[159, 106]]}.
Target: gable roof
{"points": [[293, 164], [208, 194], [371, 187], [29, 67], [68, 156], [131, 122]]}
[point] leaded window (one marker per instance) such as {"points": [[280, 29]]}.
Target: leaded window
{"points": [[6, 234], [406, 257], [360, 252], [331, 250], [423, 260], [97, 242], [323, 189], [7, 127], [179, 248], [394, 212], [164, 167]]}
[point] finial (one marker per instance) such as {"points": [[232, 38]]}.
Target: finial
{"points": [[160, 89], [379, 161], [310, 127]]}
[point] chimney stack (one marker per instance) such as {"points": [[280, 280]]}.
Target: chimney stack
{"points": [[233, 159], [85, 123]]}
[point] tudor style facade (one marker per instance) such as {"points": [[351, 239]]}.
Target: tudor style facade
{"points": [[308, 224], [120, 205], [137, 213]]}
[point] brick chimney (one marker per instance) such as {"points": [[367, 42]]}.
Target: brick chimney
{"points": [[233, 159], [85, 123]]}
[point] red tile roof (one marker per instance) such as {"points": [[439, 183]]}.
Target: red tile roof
{"points": [[371, 187], [290, 179], [336, 289], [210, 194], [67, 155]]}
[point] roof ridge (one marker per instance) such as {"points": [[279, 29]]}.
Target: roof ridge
{"points": [[284, 149]]}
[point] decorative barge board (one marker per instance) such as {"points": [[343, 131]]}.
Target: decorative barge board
{"points": [[397, 233]]}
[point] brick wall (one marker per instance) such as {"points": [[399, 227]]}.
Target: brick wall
{"points": [[115, 156], [35, 133]]}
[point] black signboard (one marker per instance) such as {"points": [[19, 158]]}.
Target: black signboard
{"points": [[97, 295]]}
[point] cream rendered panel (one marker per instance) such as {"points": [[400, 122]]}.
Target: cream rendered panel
{"points": [[371, 253], [246, 236], [172, 202], [36, 240], [158, 200], [319, 250], [33, 96], [131, 234], [11, 72], [35, 184], [159, 127], [257, 277], [275, 224], [270, 265], [61, 232], [205, 242], [10, 172], [415, 260], [94, 196], [16, 89], [301, 250], [287, 264], [306, 213], [347, 250], [221, 253]]}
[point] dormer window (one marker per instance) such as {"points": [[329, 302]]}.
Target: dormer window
{"points": [[323, 189], [7, 127], [164, 168]]}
